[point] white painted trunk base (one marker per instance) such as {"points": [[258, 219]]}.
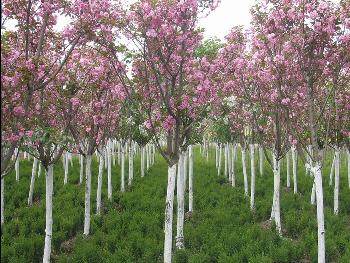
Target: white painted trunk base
{"points": [[87, 196], [168, 228], [48, 228]]}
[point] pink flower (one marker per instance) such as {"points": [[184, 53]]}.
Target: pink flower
{"points": [[29, 133], [285, 101], [151, 33], [169, 123], [18, 111], [75, 101]]}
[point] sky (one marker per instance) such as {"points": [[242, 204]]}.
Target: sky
{"points": [[228, 14], [218, 23]]}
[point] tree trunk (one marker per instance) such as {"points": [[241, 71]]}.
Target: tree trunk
{"points": [[131, 163], [244, 167], [252, 182], [99, 185], [229, 163], [39, 170], [220, 157], [2, 200], [348, 168], [87, 195], [147, 157], [48, 228], [336, 181], [226, 161], [234, 153], [168, 229], [81, 176], [66, 164], [122, 178], [32, 181], [276, 208], [109, 173], [320, 215], [180, 204], [332, 171], [185, 154], [142, 161], [261, 160], [216, 156], [288, 169], [295, 167], [190, 179], [17, 166]]}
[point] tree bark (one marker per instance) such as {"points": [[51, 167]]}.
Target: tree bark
{"points": [[288, 169], [295, 167], [180, 203], [87, 195], [276, 208], [17, 166], [336, 181], [261, 160], [81, 176], [244, 167], [32, 181], [99, 185], [168, 229], [109, 172], [252, 182], [48, 228], [332, 171], [190, 179], [122, 178], [66, 164], [234, 153], [2, 200], [131, 163]]}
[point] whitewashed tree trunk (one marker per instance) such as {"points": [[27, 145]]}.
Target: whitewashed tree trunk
{"points": [[244, 167], [185, 155], [220, 158], [48, 228], [87, 195], [66, 165], [233, 177], [332, 171], [190, 178], [122, 177], [288, 169], [17, 167], [119, 153], [131, 163], [180, 203], [109, 172], [252, 182], [276, 208], [32, 181], [39, 170], [168, 229], [81, 175], [295, 167], [107, 151], [313, 193], [261, 160], [229, 164], [320, 212], [142, 161], [336, 181], [216, 156], [2, 200], [226, 161], [99, 185], [348, 168], [147, 157]]}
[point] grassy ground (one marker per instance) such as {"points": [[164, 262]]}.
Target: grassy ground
{"points": [[222, 228]]}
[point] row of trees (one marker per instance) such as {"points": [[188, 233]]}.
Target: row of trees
{"points": [[283, 84]]}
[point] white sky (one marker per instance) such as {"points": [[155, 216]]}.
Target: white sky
{"points": [[228, 14]]}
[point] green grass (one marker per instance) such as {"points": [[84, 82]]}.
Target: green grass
{"points": [[130, 229]]}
